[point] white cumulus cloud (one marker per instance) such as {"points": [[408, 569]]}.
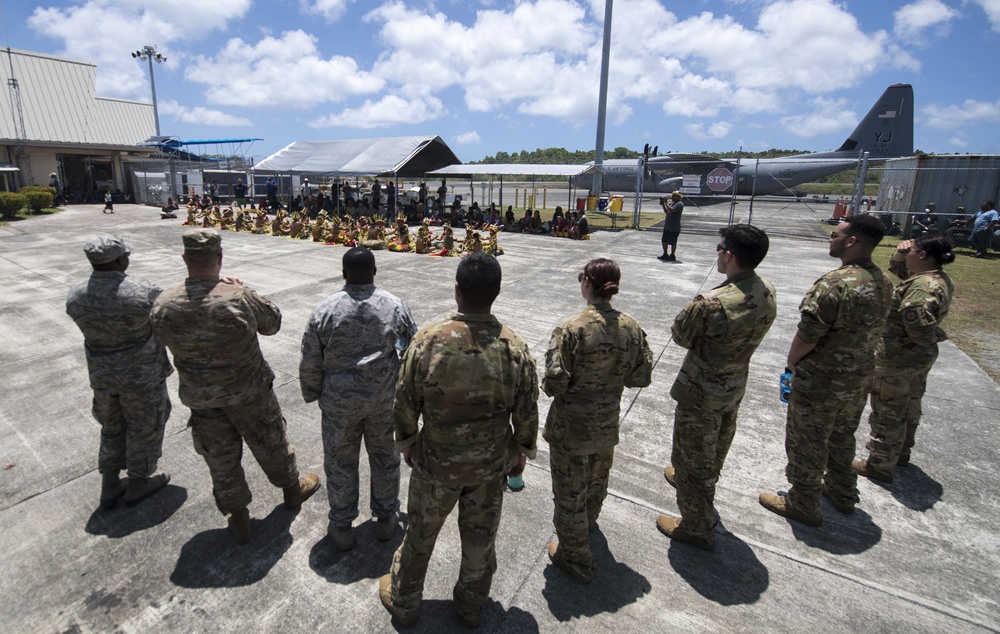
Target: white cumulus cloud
{"points": [[250, 74], [970, 112], [992, 9], [717, 130], [201, 116], [106, 31], [329, 10], [388, 111], [912, 20], [829, 116], [468, 138]]}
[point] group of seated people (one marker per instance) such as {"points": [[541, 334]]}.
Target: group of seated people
{"points": [[573, 226], [372, 232]]}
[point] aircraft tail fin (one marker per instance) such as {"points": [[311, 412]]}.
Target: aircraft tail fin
{"points": [[887, 129]]}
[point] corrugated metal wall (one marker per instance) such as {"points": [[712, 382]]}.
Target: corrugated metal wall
{"points": [[59, 105]]}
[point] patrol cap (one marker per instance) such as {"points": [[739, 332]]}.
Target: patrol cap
{"points": [[202, 241], [106, 248]]}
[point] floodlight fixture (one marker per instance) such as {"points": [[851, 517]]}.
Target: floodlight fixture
{"points": [[148, 54]]}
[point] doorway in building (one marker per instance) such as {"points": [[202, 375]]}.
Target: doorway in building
{"points": [[86, 177]]}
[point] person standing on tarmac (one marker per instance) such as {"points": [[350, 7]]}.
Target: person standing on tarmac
{"points": [[721, 329], [210, 324], [591, 359], [128, 371], [350, 362]]}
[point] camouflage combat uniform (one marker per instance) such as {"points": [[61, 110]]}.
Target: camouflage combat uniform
{"points": [[472, 379], [128, 369], [591, 358], [350, 363], [721, 330], [211, 328], [903, 358], [843, 314]]}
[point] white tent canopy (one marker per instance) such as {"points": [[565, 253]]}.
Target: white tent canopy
{"points": [[403, 156]]}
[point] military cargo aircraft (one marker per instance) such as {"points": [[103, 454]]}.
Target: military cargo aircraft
{"points": [[885, 132]]}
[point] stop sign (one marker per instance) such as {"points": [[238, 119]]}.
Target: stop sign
{"points": [[720, 179]]}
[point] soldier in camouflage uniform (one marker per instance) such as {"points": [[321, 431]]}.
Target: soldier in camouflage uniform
{"points": [[721, 330], [592, 357], [210, 325], [473, 381], [128, 370], [350, 362], [832, 357], [907, 351]]}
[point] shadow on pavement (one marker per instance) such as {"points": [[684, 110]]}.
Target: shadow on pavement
{"points": [[614, 585], [732, 575], [914, 488], [840, 534], [369, 559], [211, 559], [438, 615], [122, 521]]}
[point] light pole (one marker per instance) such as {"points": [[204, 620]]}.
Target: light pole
{"points": [[148, 53]]}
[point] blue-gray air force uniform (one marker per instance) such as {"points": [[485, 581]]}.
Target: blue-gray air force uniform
{"points": [[128, 369], [591, 358], [903, 359], [350, 363], [844, 315], [721, 329], [473, 381]]}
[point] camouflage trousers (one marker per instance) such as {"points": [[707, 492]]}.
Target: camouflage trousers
{"points": [[132, 425], [819, 440], [343, 430], [218, 435], [702, 438], [895, 398], [428, 505], [579, 486]]}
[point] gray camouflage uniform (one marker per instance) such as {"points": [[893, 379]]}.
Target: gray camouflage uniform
{"points": [[721, 330], [473, 381], [591, 359], [903, 359], [843, 314], [350, 363], [211, 328], [128, 369]]}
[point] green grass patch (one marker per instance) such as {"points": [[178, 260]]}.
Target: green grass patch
{"points": [[26, 213]]}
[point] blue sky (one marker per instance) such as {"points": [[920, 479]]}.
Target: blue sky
{"points": [[494, 75]]}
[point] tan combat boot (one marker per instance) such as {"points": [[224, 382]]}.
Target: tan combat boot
{"points": [[112, 488], [863, 468], [239, 525], [674, 529], [301, 491], [556, 557], [778, 504], [385, 596], [139, 489], [670, 475]]}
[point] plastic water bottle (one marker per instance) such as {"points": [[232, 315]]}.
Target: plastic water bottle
{"points": [[515, 483], [785, 385]]}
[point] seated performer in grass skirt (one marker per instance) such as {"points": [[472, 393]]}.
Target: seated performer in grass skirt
{"points": [[448, 244]]}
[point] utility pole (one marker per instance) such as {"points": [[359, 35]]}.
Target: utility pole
{"points": [[148, 53], [602, 102]]}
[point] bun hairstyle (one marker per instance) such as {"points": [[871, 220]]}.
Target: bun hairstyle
{"points": [[936, 246], [604, 276]]}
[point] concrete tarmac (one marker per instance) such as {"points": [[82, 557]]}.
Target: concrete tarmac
{"points": [[921, 554]]}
